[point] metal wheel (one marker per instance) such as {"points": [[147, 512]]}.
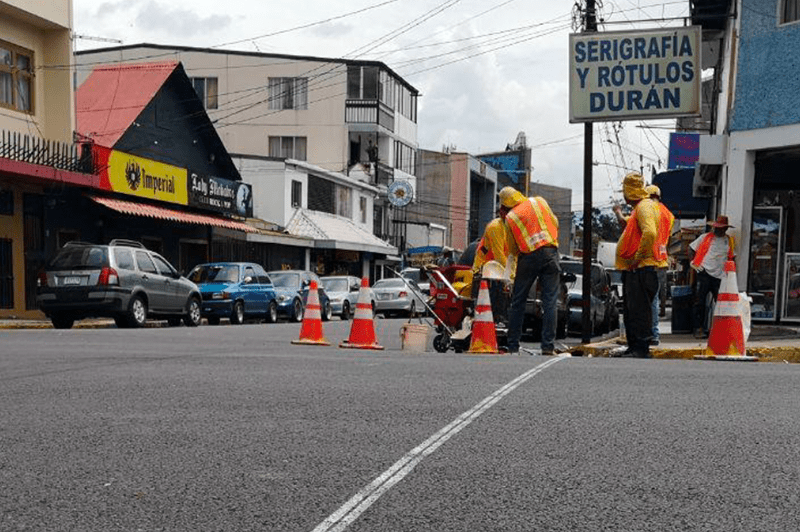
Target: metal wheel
{"points": [[297, 310], [327, 312], [193, 316], [345, 311], [137, 312], [237, 314], [272, 312], [441, 342]]}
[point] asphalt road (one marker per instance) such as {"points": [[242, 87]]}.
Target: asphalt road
{"points": [[233, 428]]}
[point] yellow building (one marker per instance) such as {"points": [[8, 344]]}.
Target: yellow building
{"points": [[36, 149]]}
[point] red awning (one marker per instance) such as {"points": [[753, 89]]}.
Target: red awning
{"points": [[151, 211]]}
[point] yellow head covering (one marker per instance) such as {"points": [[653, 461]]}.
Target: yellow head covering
{"points": [[510, 197], [633, 187], [653, 190]]}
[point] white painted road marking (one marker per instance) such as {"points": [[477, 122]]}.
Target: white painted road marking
{"points": [[358, 504]]}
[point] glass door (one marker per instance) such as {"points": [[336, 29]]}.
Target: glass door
{"points": [[766, 240], [791, 288]]}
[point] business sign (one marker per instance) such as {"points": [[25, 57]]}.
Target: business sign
{"points": [[222, 195], [136, 176], [634, 74], [684, 150]]}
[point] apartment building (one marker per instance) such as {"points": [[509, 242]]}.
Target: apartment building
{"points": [[335, 114], [36, 145]]}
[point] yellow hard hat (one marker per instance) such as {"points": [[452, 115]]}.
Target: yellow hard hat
{"points": [[653, 190], [510, 197]]}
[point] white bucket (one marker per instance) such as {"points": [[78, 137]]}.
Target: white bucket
{"points": [[414, 337]]}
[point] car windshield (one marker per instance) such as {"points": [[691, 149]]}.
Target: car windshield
{"points": [[336, 285], [75, 257], [390, 283], [215, 274], [285, 279]]}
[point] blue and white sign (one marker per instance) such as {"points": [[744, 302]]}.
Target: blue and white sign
{"points": [[634, 74]]}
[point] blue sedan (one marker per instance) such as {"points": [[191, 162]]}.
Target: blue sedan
{"points": [[235, 290], [291, 287]]}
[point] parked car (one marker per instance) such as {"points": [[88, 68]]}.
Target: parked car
{"points": [[616, 284], [533, 308], [603, 302], [121, 280], [398, 296], [419, 277], [291, 289], [236, 291], [343, 291]]}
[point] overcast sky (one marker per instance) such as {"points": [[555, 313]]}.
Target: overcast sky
{"points": [[486, 69]]}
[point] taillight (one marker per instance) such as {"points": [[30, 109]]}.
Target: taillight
{"points": [[41, 280], [402, 294], [108, 276]]}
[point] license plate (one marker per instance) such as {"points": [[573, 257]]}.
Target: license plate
{"points": [[71, 281], [383, 296]]}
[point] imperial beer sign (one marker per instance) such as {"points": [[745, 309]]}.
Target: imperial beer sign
{"points": [[634, 75]]}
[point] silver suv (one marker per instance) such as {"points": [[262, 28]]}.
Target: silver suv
{"points": [[122, 280]]}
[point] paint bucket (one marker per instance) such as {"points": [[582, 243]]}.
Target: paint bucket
{"points": [[414, 337]]}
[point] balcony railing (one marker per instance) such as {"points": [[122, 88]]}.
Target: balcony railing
{"points": [[369, 112], [44, 152]]}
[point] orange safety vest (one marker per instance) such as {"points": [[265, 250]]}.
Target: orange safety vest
{"points": [[629, 242], [533, 225], [665, 221], [705, 245]]}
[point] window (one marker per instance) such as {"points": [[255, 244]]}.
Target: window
{"points": [[344, 202], [6, 202], [16, 77], [124, 259], [405, 157], [163, 266], [288, 147], [288, 93], [206, 89], [362, 206], [145, 263], [297, 193], [251, 273], [790, 11]]}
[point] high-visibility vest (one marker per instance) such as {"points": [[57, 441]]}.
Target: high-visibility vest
{"points": [[631, 238], [705, 245], [492, 245], [533, 225], [665, 221]]}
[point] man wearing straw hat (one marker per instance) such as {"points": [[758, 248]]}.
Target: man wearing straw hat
{"points": [[708, 255]]}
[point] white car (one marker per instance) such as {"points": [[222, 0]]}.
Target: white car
{"points": [[398, 296], [343, 291], [416, 275]]}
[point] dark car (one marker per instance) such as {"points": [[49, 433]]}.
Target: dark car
{"points": [[122, 280], [343, 291], [291, 290], [534, 309], [603, 307], [236, 291]]}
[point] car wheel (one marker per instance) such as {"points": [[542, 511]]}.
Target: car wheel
{"points": [[213, 320], [62, 321], [193, 317], [345, 310], [272, 312], [237, 314], [173, 322], [327, 312], [297, 310], [137, 312]]}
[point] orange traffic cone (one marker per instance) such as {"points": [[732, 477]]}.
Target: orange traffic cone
{"points": [[726, 339], [484, 336], [311, 331], [362, 332]]}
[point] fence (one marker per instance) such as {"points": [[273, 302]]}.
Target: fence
{"points": [[45, 152]]}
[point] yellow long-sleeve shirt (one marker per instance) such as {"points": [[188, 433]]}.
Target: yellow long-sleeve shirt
{"points": [[646, 216]]}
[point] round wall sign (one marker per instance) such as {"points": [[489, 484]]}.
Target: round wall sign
{"points": [[400, 193]]}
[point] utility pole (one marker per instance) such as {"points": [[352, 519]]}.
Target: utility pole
{"points": [[588, 134]]}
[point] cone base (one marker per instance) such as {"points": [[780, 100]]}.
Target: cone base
{"points": [[311, 342], [729, 358], [347, 345]]}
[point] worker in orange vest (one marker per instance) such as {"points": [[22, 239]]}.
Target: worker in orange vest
{"points": [[532, 239], [666, 220], [708, 254], [640, 252]]}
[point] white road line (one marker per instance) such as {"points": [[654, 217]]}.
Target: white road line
{"points": [[358, 504]]}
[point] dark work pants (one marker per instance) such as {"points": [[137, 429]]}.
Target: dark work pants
{"points": [[542, 264], [705, 284], [640, 288]]}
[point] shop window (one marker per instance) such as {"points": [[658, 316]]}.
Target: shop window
{"points": [[16, 77], [206, 89]]}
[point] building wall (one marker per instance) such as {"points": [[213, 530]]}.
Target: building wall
{"points": [[459, 200], [52, 12], [768, 70]]}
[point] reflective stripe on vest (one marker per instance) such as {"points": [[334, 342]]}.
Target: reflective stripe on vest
{"points": [[533, 225], [705, 245]]}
